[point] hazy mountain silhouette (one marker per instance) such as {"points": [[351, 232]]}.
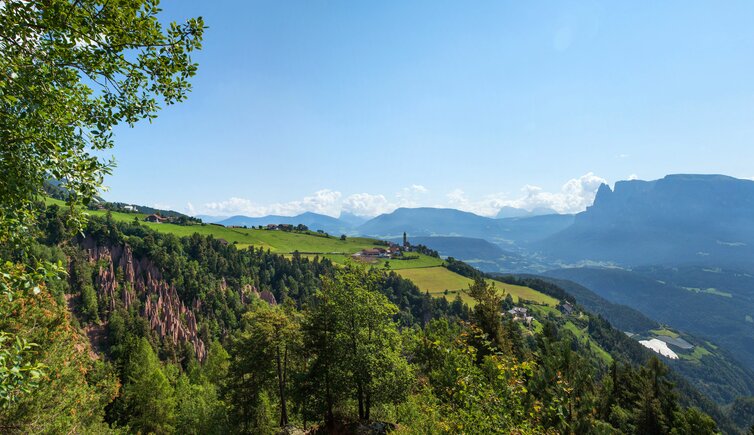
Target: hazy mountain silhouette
{"points": [[704, 219]]}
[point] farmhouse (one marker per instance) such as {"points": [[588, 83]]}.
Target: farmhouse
{"points": [[272, 226], [566, 308], [155, 218], [374, 252], [520, 314]]}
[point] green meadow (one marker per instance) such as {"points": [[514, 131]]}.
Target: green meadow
{"points": [[282, 242], [436, 280], [425, 271]]}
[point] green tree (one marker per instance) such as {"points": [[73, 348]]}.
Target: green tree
{"points": [[262, 354], [53, 386], [216, 365], [486, 314], [148, 400], [693, 421], [198, 407], [475, 396], [656, 402], [355, 344], [69, 73]]}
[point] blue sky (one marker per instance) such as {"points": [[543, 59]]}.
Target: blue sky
{"points": [[367, 106]]}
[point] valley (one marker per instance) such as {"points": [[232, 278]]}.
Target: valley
{"points": [[376, 218]]}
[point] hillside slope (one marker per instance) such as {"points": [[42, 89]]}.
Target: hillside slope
{"points": [[718, 316], [712, 369]]}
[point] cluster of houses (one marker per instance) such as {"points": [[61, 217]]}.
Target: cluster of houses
{"points": [[521, 314], [392, 251], [281, 227]]}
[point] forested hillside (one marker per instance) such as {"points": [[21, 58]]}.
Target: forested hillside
{"points": [[192, 335]]}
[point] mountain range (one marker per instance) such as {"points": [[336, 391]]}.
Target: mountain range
{"points": [[679, 219], [314, 221]]}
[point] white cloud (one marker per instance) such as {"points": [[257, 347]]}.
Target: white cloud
{"points": [[189, 209], [487, 206], [633, 177], [457, 197], [323, 201], [366, 204], [410, 196], [574, 196], [162, 206]]}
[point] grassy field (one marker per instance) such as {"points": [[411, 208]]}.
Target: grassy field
{"points": [[281, 242], [520, 292], [664, 331], [426, 272], [584, 336], [436, 280], [697, 354]]}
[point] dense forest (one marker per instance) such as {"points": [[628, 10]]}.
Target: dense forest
{"points": [[152, 333]]}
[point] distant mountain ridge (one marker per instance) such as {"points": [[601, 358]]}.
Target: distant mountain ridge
{"points": [[513, 212], [428, 221], [314, 221], [433, 222], [698, 219]]}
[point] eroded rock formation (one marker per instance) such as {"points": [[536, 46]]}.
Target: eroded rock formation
{"points": [[161, 306]]}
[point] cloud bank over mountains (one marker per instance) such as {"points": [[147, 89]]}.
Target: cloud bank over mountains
{"points": [[574, 196]]}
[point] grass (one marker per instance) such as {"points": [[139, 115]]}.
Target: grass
{"points": [[583, 336], [436, 280], [281, 242], [664, 331], [520, 292], [544, 311], [426, 272], [696, 355]]}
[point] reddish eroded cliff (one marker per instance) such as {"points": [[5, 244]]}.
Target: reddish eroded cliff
{"points": [[161, 306]]}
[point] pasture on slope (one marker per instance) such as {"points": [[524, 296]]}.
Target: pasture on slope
{"points": [[281, 242], [436, 280], [426, 272]]}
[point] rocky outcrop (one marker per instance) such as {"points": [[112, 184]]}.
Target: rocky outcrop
{"points": [[123, 279], [268, 297]]}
